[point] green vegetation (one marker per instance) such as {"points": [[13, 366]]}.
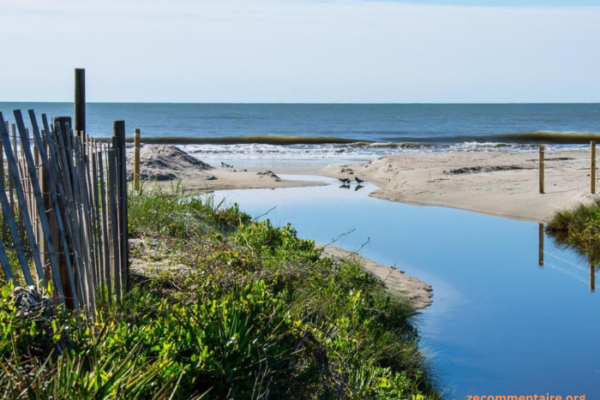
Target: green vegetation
{"points": [[222, 308], [579, 228]]}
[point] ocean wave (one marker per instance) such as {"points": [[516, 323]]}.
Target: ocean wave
{"points": [[333, 148], [209, 152]]}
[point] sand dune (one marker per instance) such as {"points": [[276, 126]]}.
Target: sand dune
{"points": [[167, 165]]}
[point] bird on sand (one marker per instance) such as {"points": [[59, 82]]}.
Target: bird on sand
{"points": [[345, 181], [359, 181]]}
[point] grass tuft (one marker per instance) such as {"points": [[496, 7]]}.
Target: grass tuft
{"points": [[578, 228]]}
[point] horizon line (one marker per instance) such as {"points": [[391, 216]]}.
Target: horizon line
{"points": [[311, 103]]}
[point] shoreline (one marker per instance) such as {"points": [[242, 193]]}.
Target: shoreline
{"points": [[500, 183]]}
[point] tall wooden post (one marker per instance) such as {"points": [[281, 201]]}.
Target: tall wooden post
{"points": [[541, 245], [541, 169], [136, 159], [79, 126], [592, 167], [119, 146]]}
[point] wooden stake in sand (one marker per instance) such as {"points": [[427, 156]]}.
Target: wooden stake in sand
{"points": [[593, 167], [541, 169], [136, 159]]}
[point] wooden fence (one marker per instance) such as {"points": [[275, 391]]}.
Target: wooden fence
{"points": [[64, 210]]}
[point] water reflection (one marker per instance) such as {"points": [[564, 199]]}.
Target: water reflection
{"points": [[348, 186], [541, 242], [592, 278], [567, 267]]}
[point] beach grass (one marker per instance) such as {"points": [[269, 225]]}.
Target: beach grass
{"points": [[578, 228], [222, 307]]}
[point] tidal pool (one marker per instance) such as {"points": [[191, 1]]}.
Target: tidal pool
{"points": [[500, 323]]}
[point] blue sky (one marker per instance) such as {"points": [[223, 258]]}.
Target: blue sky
{"points": [[352, 51]]}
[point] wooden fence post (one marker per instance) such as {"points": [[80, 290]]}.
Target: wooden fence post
{"points": [[593, 167], [79, 101], [136, 159], [113, 226], [120, 147], [541, 169]]}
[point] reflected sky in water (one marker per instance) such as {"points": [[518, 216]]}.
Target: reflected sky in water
{"points": [[499, 324]]}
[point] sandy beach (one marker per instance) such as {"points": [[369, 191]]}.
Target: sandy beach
{"points": [[504, 183]]}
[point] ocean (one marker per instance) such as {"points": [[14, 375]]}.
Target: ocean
{"points": [[338, 131]]}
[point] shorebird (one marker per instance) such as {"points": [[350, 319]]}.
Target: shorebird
{"points": [[359, 181], [345, 181]]}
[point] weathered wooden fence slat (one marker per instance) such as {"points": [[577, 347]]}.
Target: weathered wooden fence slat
{"points": [[64, 212], [39, 199], [13, 169], [57, 211]]}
